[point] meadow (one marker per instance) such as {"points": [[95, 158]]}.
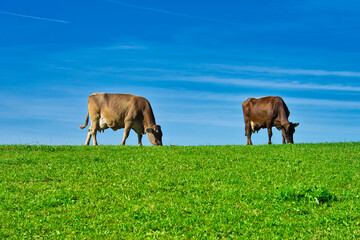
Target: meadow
{"points": [[306, 191]]}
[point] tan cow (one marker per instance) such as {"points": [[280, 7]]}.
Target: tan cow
{"points": [[118, 111], [267, 112]]}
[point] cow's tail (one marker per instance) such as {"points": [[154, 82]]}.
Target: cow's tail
{"points": [[86, 122]]}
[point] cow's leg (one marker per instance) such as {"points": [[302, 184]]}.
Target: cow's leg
{"points": [[249, 142], [126, 132], [94, 128], [139, 129], [269, 134], [139, 139], [269, 129], [88, 138], [283, 136], [248, 132], [93, 134]]}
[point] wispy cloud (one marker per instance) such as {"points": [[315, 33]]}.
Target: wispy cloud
{"points": [[272, 84], [172, 13], [276, 70], [142, 74], [241, 82], [328, 103], [203, 119], [125, 47], [175, 99], [33, 17], [39, 107]]}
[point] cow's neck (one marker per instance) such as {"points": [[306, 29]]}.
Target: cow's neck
{"points": [[149, 119], [283, 119], [284, 123]]}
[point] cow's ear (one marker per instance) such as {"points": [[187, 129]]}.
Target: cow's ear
{"points": [[149, 130], [296, 124]]}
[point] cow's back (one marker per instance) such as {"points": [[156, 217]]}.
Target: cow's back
{"points": [[116, 108], [265, 105], [257, 107], [259, 111], [116, 102]]}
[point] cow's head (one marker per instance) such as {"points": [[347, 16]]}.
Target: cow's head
{"points": [[155, 135], [288, 131]]}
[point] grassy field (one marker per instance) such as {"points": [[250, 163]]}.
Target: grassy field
{"points": [[308, 191]]}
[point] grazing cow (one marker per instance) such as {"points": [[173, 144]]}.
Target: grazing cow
{"points": [[267, 112], [117, 111]]}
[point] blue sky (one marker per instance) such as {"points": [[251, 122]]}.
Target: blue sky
{"points": [[195, 61]]}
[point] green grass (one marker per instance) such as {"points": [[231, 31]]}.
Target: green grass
{"points": [[306, 191]]}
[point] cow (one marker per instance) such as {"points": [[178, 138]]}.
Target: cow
{"points": [[267, 112], [118, 111]]}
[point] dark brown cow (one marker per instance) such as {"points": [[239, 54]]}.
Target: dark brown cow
{"points": [[267, 112], [117, 111]]}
